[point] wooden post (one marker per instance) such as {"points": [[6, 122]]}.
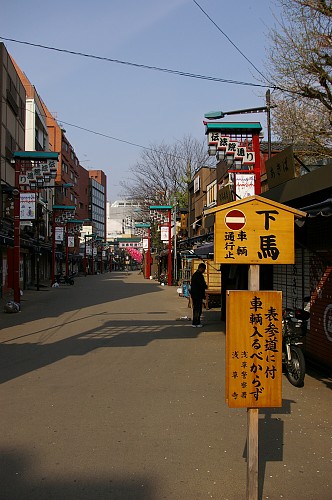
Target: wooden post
{"points": [[252, 416]]}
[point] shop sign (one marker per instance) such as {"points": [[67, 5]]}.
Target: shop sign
{"points": [[280, 168]]}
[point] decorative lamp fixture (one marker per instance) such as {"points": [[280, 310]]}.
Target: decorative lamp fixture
{"points": [[33, 184], [47, 177], [212, 150], [53, 172], [40, 181], [239, 156], [249, 158], [221, 154]]}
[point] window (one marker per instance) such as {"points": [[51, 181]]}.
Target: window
{"points": [[211, 194]]}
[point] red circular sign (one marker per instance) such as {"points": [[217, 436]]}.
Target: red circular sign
{"points": [[235, 220]]}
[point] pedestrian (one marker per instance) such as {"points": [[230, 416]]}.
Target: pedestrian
{"points": [[197, 292]]}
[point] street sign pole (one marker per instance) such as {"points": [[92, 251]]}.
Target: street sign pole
{"points": [[252, 415]]}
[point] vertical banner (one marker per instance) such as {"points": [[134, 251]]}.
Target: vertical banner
{"points": [[164, 233], [253, 349], [27, 206], [71, 241], [58, 235], [244, 185], [145, 243]]}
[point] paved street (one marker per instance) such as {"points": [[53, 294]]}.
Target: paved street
{"points": [[107, 394]]}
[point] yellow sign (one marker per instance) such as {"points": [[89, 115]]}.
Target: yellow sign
{"points": [[254, 230], [253, 349]]}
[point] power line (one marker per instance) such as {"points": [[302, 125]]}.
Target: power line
{"points": [[136, 65], [230, 41], [60, 122]]}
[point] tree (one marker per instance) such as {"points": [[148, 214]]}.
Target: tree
{"points": [[301, 123], [300, 67], [163, 172]]}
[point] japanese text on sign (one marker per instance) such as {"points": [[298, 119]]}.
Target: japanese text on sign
{"points": [[253, 349], [254, 234]]}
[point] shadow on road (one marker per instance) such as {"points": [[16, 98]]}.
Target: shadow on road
{"points": [[87, 292], [270, 439], [15, 473], [18, 359]]}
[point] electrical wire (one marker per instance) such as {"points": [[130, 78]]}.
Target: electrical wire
{"points": [[60, 122], [136, 65], [230, 41]]}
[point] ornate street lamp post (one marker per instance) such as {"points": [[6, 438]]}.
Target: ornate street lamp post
{"points": [[163, 213], [33, 169], [145, 228], [61, 215]]}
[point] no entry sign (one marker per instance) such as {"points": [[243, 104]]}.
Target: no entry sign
{"points": [[235, 220]]}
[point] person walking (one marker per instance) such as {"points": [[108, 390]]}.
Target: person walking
{"points": [[197, 292]]}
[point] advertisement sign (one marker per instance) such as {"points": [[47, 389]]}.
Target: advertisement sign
{"points": [[244, 185], [27, 206], [253, 349], [145, 243]]}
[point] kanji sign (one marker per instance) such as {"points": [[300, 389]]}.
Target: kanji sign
{"points": [[253, 349], [255, 230]]}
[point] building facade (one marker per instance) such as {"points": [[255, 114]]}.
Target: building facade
{"points": [[12, 138]]}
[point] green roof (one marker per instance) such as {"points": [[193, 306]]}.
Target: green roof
{"points": [[160, 207], [64, 207], [232, 127], [36, 155]]}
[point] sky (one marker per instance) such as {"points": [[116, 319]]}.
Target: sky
{"points": [[130, 104]]}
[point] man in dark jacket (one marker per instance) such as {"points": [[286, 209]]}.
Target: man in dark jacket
{"points": [[197, 292]]}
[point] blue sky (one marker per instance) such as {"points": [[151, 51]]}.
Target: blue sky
{"points": [[138, 105]]}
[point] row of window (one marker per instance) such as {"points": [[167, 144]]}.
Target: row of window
{"points": [[66, 147]]}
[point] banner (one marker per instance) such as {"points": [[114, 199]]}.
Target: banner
{"points": [[58, 235], [71, 241], [27, 206], [164, 233], [244, 185]]}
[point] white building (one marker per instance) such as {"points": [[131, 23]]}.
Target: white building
{"points": [[121, 218]]}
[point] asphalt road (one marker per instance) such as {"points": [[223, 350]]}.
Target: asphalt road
{"points": [[106, 394]]}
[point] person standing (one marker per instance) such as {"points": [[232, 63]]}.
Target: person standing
{"points": [[197, 292]]}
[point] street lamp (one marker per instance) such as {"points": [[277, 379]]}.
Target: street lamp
{"points": [[146, 226], [237, 144], [216, 115], [73, 230], [90, 235], [158, 212], [32, 170], [61, 215]]}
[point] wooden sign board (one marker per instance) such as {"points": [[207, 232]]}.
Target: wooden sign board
{"points": [[225, 195], [254, 231], [280, 168], [253, 349]]}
